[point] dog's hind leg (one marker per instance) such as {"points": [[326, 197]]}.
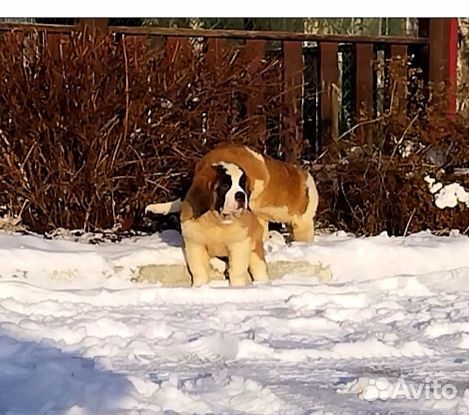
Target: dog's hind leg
{"points": [[303, 225], [265, 229], [303, 229]]}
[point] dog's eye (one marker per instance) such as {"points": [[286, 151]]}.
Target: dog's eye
{"points": [[224, 186], [242, 181]]}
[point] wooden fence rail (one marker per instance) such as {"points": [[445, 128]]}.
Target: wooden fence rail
{"points": [[317, 122]]}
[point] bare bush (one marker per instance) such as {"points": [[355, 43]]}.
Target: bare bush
{"points": [[93, 129], [367, 189]]}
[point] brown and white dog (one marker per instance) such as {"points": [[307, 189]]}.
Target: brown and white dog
{"points": [[215, 222], [279, 191]]}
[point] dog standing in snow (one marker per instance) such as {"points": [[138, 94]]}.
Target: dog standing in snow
{"points": [[216, 222], [278, 191]]}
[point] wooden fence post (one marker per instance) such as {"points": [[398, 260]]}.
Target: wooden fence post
{"points": [[255, 52], [329, 76], [442, 60], [292, 128], [216, 57]]}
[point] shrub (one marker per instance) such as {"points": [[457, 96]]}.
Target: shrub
{"points": [[370, 189], [95, 129]]}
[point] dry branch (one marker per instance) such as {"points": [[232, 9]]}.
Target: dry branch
{"points": [[96, 131]]}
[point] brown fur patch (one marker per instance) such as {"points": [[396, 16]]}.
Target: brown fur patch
{"points": [[199, 198], [286, 187]]}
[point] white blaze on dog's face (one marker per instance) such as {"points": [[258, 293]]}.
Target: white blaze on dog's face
{"points": [[230, 189]]}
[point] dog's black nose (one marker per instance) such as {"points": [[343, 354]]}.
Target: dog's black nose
{"points": [[240, 197]]}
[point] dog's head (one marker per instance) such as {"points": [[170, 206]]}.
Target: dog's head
{"points": [[230, 189], [222, 188]]}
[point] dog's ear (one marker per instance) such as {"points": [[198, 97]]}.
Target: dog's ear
{"points": [[201, 201], [249, 184], [200, 195], [199, 165]]}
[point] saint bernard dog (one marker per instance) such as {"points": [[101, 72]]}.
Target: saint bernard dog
{"points": [[279, 191], [216, 222]]}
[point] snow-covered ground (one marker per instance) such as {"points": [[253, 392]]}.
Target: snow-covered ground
{"points": [[388, 334]]}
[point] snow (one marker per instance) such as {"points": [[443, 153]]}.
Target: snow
{"points": [[77, 336], [449, 195]]}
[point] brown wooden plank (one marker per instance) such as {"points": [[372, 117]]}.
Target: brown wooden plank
{"points": [[452, 59], [270, 35], [399, 78], [228, 34], [217, 115], [328, 75], [98, 25], [255, 52], [53, 44], [292, 131], [443, 46], [364, 91], [215, 49], [439, 39]]}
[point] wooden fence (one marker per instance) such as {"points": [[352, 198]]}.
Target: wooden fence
{"points": [[311, 75]]}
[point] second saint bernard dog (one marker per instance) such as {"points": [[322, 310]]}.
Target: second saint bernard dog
{"points": [[279, 191], [215, 222]]}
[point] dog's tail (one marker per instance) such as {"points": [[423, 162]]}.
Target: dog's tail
{"points": [[164, 208]]}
